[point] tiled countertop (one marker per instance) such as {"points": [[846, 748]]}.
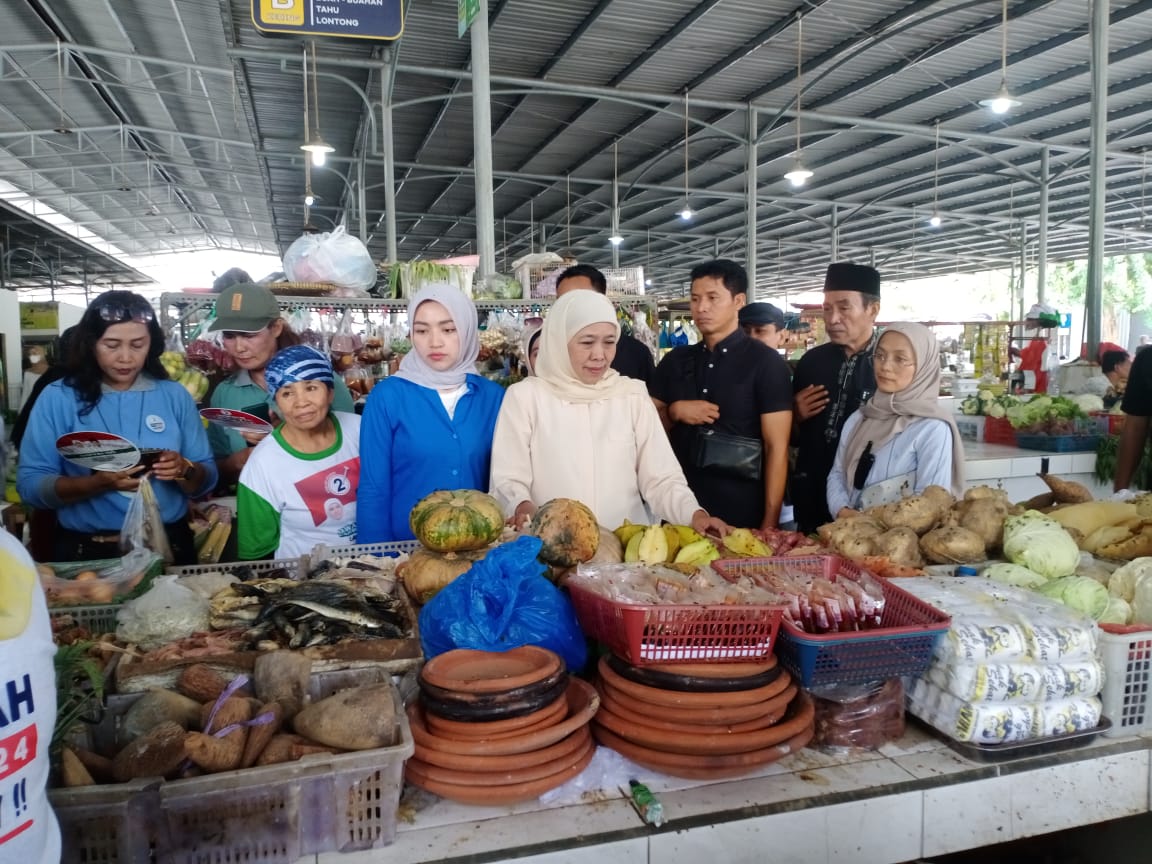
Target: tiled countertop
{"points": [[915, 798]]}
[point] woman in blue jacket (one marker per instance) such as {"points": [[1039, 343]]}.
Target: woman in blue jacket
{"points": [[430, 425], [114, 383]]}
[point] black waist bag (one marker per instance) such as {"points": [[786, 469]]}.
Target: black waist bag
{"points": [[733, 455]]}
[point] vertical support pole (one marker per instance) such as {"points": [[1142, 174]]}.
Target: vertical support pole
{"points": [[1023, 264], [482, 142], [389, 177], [1098, 142], [834, 244], [362, 197], [750, 200], [1042, 234], [615, 222]]}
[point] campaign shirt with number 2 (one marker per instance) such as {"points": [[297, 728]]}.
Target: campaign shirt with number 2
{"points": [[28, 830]]}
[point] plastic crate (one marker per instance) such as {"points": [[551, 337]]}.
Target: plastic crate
{"points": [[273, 814], [1109, 423], [678, 634], [1058, 443], [624, 280], [901, 646], [96, 619], [997, 430], [292, 565], [395, 547], [1126, 653]]}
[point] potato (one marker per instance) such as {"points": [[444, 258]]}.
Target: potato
{"points": [[939, 496], [900, 546], [915, 512], [985, 516], [952, 546], [851, 546], [986, 492], [858, 526], [86, 576], [358, 719]]}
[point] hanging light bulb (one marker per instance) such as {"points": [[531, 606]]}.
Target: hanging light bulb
{"points": [[934, 220], [799, 174], [1003, 101], [316, 146], [615, 239], [686, 214], [309, 198]]}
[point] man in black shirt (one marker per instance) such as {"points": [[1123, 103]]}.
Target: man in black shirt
{"points": [[1137, 404], [831, 381], [633, 359], [731, 384]]}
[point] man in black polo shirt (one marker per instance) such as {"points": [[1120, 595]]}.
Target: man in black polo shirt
{"points": [[831, 381], [1137, 404], [633, 359], [727, 383]]}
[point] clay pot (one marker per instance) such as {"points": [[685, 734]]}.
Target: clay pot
{"points": [[480, 707], [488, 795], [507, 762], [583, 701], [715, 670], [459, 777], [546, 716], [679, 699], [468, 671], [774, 709], [797, 727], [691, 683], [698, 716]]}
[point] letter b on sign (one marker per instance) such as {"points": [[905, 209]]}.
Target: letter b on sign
{"points": [[290, 12]]}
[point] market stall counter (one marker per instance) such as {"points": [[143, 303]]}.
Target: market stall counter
{"points": [[911, 799], [1015, 469]]}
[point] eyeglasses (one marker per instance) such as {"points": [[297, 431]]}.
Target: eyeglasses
{"points": [[882, 357], [115, 312]]}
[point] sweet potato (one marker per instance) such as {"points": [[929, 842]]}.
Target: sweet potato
{"points": [[1066, 491], [157, 754], [358, 719], [72, 770], [100, 767], [260, 735], [221, 754], [282, 676], [202, 683]]}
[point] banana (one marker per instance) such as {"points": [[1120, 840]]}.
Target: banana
{"points": [[672, 536], [653, 548], [700, 553], [744, 543], [627, 531]]}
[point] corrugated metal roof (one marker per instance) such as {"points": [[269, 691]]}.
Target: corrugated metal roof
{"points": [[188, 124]]}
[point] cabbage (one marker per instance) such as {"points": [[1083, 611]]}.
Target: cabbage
{"points": [[1088, 402], [1013, 574], [1034, 541], [1117, 612], [1078, 592], [1122, 584]]}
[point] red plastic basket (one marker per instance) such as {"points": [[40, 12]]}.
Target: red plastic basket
{"points": [[997, 430], [1109, 423], [678, 634], [902, 645]]}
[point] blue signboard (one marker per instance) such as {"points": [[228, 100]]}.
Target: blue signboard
{"points": [[1066, 321], [350, 19]]}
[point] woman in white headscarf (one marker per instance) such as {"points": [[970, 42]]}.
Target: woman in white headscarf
{"points": [[901, 441], [579, 429], [430, 425]]}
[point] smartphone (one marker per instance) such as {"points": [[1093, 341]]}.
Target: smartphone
{"points": [[149, 456]]}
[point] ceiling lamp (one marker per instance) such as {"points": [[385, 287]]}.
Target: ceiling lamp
{"points": [[799, 173], [686, 213], [62, 128], [1003, 101], [934, 220], [615, 239], [316, 146]]}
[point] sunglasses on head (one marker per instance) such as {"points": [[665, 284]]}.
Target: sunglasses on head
{"points": [[116, 312]]}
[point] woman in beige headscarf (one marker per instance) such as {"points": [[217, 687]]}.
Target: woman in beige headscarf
{"points": [[901, 441], [581, 430]]}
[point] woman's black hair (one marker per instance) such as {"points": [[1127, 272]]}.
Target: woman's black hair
{"points": [[82, 372]]}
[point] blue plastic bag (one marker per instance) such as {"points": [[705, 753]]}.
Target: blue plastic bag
{"points": [[503, 602]]}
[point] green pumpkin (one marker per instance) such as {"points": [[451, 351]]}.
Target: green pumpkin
{"points": [[568, 532], [456, 520]]}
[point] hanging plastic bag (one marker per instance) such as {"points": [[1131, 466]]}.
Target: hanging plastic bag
{"points": [[503, 602], [344, 344], [143, 527], [334, 257], [167, 612]]}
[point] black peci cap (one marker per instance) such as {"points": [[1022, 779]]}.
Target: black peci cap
{"points": [[846, 276], [759, 314]]}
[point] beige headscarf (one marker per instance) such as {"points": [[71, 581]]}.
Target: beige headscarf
{"points": [[886, 415], [567, 317], [527, 339]]}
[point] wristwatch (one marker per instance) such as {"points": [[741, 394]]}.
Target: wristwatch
{"points": [[188, 466]]}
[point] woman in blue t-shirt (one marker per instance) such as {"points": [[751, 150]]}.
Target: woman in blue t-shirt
{"points": [[430, 425], [115, 383]]}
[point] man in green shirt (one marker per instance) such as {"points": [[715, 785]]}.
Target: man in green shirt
{"points": [[249, 317]]}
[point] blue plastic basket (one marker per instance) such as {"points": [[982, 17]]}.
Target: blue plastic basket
{"points": [[1058, 443], [901, 646]]}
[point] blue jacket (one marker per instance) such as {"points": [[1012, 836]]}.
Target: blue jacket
{"points": [[150, 414], [409, 447]]}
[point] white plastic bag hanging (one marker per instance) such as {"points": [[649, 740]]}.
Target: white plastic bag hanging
{"points": [[334, 257]]}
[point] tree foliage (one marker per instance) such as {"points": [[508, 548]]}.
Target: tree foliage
{"points": [[1127, 283]]}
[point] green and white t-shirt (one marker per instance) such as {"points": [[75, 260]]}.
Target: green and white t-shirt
{"points": [[288, 501]]}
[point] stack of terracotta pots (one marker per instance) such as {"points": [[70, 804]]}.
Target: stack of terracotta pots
{"points": [[701, 720], [499, 727]]}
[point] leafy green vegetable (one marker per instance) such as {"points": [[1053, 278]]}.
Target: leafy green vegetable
{"points": [[79, 689], [1034, 541], [1014, 574], [1078, 592]]}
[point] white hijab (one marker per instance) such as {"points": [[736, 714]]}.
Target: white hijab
{"points": [[415, 368], [567, 317]]}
